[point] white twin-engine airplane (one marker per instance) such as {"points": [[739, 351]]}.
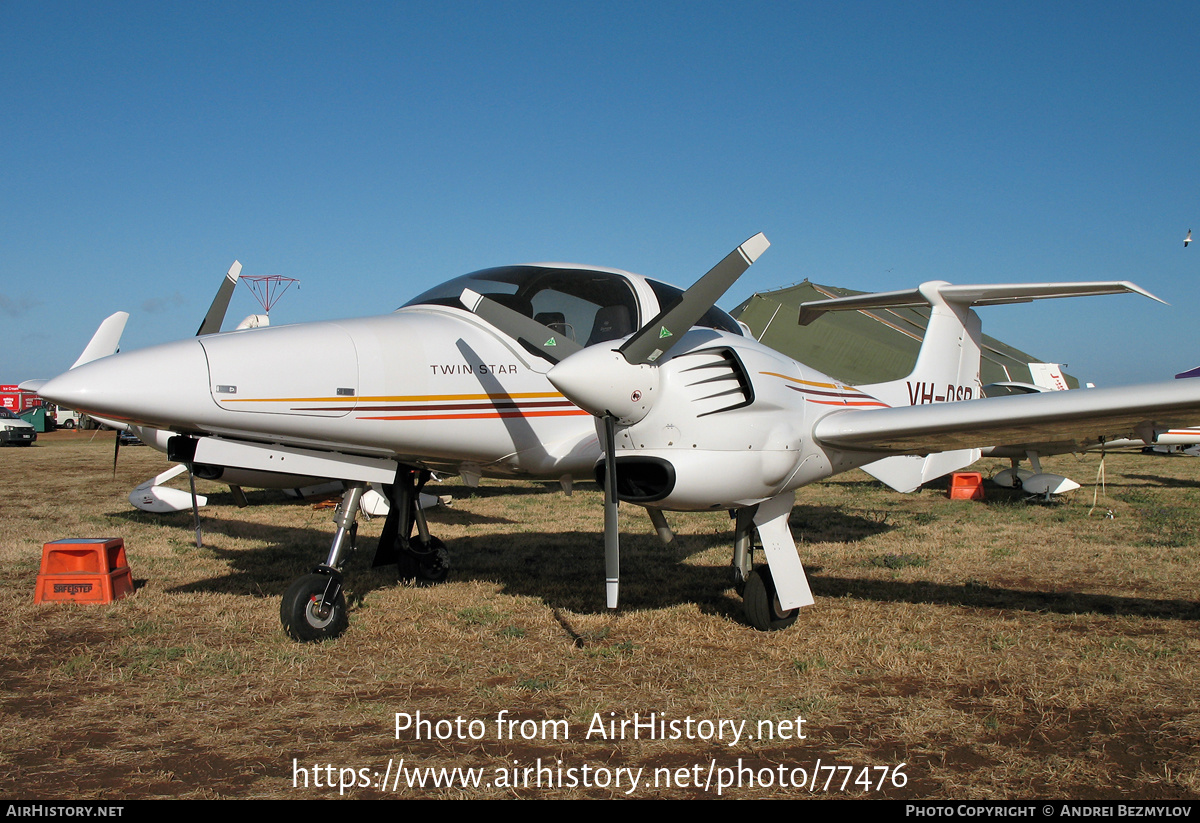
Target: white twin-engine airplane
{"points": [[561, 372]]}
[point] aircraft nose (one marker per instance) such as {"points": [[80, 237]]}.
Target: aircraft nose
{"points": [[162, 386]]}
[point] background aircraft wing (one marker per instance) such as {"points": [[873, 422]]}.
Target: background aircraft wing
{"points": [[1080, 416]]}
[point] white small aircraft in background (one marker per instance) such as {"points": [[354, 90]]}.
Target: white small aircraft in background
{"points": [[156, 497], [561, 372], [153, 495], [1046, 484], [1046, 377]]}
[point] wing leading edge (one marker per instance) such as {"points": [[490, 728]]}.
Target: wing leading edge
{"points": [[1083, 416]]}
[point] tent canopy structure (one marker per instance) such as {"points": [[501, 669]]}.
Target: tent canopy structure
{"points": [[863, 347]]}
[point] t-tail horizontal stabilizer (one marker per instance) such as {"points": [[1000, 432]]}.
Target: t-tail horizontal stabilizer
{"points": [[980, 295]]}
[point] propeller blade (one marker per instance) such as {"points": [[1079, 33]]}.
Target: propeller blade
{"points": [[552, 345], [612, 537], [116, 451], [658, 336], [216, 312]]}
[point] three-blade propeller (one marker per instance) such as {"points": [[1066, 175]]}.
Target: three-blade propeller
{"points": [[618, 385]]}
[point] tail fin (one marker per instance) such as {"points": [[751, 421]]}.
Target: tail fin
{"points": [[105, 341], [947, 367]]}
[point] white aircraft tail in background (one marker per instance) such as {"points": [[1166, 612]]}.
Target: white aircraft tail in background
{"points": [[1048, 376]]}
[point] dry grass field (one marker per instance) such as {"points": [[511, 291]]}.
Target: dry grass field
{"points": [[1000, 649]]}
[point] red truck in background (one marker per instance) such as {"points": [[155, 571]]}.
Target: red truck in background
{"points": [[17, 401]]}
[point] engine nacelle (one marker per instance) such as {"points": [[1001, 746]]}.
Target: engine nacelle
{"points": [[728, 429], [680, 480]]}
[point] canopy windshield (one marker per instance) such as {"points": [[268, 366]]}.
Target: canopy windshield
{"points": [[587, 305]]}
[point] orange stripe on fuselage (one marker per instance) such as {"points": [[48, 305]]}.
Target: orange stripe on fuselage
{"points": [[496, 407], [480, 416], [837, 386], [847, 395], [413, 398]]}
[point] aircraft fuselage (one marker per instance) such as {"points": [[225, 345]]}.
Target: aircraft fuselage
{"points": [[435, 386]]}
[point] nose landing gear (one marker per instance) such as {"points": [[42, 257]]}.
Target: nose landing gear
{"points": [[314, 606]]}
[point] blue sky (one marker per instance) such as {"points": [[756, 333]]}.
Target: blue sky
{"points": [[374, 149]]}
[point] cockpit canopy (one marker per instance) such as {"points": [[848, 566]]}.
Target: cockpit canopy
{"points": [[587, 305]]}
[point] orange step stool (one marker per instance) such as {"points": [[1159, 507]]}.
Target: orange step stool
{"points": [[84, 570], [966, 486]]}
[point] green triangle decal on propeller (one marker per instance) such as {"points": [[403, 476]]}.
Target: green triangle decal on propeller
{"points": [[550, 342], [663, 332]]}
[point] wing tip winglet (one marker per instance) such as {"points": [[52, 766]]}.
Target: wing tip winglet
{"points": [[1136, 289]]}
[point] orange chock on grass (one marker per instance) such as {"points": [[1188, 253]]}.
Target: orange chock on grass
{"points": [[83, 570], [966, 486]]}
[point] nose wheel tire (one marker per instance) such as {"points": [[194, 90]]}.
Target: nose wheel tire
{"points": [[761, 603], [304, 613]]}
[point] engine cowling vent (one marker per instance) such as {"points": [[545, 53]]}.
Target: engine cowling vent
{"points": [[715, 380]]}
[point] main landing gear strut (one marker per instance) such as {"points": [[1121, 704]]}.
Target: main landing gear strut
{"points": [[314, 606], [760, 601]]}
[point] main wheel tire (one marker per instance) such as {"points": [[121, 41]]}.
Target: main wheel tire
{"points": [[300, 611], [761, 603], [433, 565], [425, 565]]}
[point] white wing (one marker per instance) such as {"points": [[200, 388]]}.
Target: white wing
{"points": [[1080, 416]]}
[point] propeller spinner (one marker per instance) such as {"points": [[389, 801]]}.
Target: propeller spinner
{"points": [[619, 385]]}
